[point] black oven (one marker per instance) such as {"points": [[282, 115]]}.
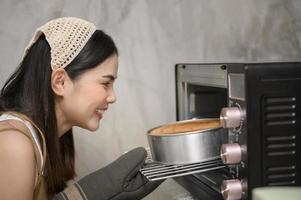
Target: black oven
{"points": [[259, 104]]}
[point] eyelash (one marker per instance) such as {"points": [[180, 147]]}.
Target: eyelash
{"points": [[106, 84]]}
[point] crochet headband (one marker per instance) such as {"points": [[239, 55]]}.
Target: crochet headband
{"points": [[66, 37]]}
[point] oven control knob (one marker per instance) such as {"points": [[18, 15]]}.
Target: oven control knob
{"points": [[232, 189], [230, 117], [231, 153]]}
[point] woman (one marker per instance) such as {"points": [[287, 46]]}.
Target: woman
{"points": [[65, 79]]}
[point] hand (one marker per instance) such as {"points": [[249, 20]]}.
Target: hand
{"points": [[120, 180]]}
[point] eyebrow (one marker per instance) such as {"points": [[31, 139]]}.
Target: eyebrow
{"points": [[111, 77]]}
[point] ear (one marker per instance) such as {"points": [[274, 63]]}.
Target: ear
{"points": [[59, 81]]}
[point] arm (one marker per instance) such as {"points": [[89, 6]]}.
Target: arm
{"points": [[17, 168], [120, 180]]}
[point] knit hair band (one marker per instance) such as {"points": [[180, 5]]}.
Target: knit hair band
{"points": [[66, 37]]}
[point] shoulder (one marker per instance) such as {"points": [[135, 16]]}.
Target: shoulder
{"points": [[15, 136], [17, 159], [15, 139]]}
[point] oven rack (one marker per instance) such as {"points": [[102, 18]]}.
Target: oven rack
{"points": [[156, 171]]}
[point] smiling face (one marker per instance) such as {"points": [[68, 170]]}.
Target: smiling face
{"points": [[82, 102]]}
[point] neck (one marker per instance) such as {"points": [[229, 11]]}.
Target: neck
{"points": [[62, 123]]}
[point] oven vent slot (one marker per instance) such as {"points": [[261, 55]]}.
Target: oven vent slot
{"points": [[280, 145], [280, 111], [282, 183], [284, 175]]}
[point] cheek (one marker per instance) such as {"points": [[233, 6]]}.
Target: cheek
{"points": [[92, 95], [87, 97]]}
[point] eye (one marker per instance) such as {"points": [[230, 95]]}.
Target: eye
{"points": [[106, 84]]}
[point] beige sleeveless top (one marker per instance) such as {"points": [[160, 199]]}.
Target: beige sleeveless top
{"points": [[40, 191]]}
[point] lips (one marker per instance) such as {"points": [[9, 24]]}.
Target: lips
{"points": [[99, 112]]}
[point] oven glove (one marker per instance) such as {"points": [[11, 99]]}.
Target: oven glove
{"points": [[120, 180]]}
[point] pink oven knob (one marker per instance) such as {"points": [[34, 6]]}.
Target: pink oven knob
{"points": [[230, 117], [231, 153], [232, 189]]}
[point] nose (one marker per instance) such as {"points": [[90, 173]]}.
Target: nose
{"points": [[111, 97]]}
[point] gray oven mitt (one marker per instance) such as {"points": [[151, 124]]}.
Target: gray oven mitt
{"points": [[120, 180]]}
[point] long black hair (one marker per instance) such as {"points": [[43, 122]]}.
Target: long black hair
{"points": [[28, 91]]}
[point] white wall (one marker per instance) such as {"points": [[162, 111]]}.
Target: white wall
{"points": [[153, 35]]}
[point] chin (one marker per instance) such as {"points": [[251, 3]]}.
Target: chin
{"points": [[91, 125], [92, 128]]}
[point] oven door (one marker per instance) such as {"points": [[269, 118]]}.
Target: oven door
{"points": [[201, 93], [205, 185]]}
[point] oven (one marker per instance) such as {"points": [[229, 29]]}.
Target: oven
{"points": [[259, 104]]}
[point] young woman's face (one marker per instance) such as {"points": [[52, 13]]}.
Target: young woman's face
{"points": [[89, 96]]}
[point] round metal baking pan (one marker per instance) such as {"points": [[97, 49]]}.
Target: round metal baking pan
{"points": [[188, 141]]}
